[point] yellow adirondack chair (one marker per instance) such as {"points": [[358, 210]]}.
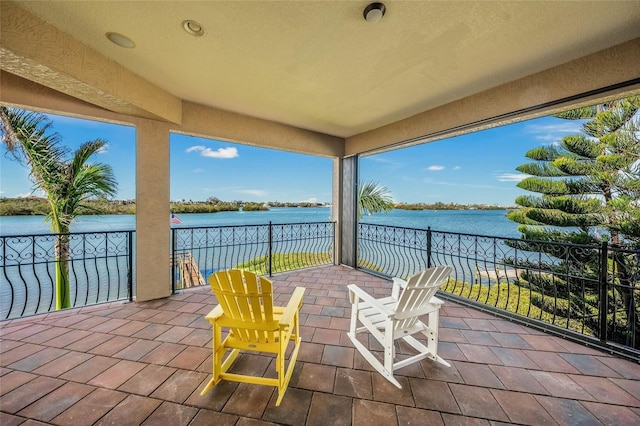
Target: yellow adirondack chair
{"points": [[254, 324]]}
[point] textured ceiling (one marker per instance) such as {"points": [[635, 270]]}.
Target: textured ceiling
{"points": [[319, 65]]}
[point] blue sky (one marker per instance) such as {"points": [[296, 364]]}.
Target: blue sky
{"points": [[477, 168]]}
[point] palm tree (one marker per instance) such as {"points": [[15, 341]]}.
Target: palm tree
{"points": [[67, 183], [373, 198]]}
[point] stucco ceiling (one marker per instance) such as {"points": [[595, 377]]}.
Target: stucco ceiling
{"points": [[319, 65]]}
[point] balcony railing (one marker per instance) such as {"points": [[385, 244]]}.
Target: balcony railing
{"points": [[100, 266], [588, 293], [264, 249], [561, 288]]}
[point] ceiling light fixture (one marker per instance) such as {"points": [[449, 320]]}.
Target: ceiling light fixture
{"points": [[374, 12], [193, 28], [121, 40]]}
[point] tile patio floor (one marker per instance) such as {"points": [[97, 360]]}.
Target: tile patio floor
{"points": [[145, 363]]}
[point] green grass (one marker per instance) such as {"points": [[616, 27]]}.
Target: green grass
{"points": [[282, 262], [520, 300]]}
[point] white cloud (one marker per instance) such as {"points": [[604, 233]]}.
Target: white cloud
{"points": [[511, 177], [461, 185], [254, 192], [391, 164], [196, 148], [457, 168], [554, 132], [198, 170], [230, 152], [103, 150], [435, 168]]}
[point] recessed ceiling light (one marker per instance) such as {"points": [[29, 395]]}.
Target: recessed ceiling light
{"points": [[121, 40], [374, 12], [193, 28]]}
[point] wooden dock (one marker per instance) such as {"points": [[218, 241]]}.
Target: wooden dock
{"points": [[189, 271], [497, 273]]}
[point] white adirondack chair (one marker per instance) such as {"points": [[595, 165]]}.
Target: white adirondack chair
{"points": [[398, 317]]}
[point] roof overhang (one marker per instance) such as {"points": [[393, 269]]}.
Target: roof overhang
{"points": [[317, 72]]}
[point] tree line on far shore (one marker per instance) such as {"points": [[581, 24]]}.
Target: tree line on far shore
{"points": [[37, 206], [448, 206]]}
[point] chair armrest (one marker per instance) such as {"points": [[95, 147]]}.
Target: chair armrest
{"points": [[397, 284], [215, 313], [436, 301], [354, 290], [292, 306], [399, 281]]}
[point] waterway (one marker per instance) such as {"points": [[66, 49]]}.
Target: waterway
{"points": [[481, 222]]}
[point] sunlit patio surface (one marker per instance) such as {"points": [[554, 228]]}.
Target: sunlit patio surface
{"points": [[145, 363]]}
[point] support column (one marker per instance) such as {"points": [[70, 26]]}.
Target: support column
{"points": [[348, 211], [336, 208], [153, 271]]}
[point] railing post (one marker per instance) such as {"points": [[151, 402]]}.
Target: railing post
{"points": [[428, 247], [602, 283], [270, 246], [130, 274], [4, 271], [106, 250], [83, 237], [334, 252], [173, 261]]}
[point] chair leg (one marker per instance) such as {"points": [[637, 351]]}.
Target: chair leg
{"points": [[285, 377], [207, 388], [216, 361], [423, 352], [433, 322], [389, 348], [371, 359], [219, 367], [354, 315], [385, 370]]}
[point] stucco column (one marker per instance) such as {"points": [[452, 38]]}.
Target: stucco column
{"points": [[153, 272]]}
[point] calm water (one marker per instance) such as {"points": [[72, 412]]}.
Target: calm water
{"points": [[483, 222], [20, 289]]}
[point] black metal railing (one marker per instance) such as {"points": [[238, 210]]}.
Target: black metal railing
{"points": [[588, 293], [99, 264], [101, 268], [558, 287], [265, 249]]}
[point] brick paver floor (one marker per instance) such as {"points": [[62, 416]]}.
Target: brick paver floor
{"points": [[145, 363]]}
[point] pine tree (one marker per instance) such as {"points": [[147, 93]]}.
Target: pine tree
{"points": [[587, 182]]}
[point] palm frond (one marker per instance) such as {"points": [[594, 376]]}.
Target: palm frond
{"points": [[25, 135], [373, 198], [67, 183]]}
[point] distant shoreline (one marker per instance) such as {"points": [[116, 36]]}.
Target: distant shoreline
{"points": [[36, 206], [450, 206]]}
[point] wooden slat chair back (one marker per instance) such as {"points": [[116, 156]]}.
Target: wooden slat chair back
{"points": [[416, 295], [246, 310], [247, 299], [399, 317]]}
